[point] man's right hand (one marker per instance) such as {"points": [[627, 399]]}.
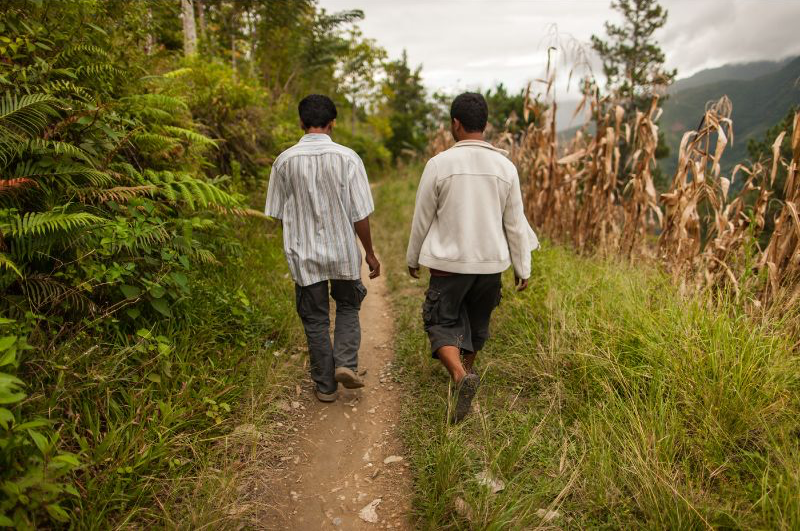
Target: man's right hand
{"points": [[374, 265], [521, 283], [413, 271]]}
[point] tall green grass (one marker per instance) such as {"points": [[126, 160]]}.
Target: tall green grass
{"points": [[606, 397]]}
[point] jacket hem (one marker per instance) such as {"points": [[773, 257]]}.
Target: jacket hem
{"points": [[464, 268]]}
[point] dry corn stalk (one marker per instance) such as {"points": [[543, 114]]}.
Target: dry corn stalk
{"points": [[782, 255], [697, 178]]}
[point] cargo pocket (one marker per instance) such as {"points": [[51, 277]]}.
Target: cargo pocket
{"points": [[430, 308], [361, 292]]}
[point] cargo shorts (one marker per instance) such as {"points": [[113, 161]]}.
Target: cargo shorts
{"points": [[457, 310]]}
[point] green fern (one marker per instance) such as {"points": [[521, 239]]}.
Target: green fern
{"points": [[41, 223], [21, 120], [191, 136], [8, 264]]}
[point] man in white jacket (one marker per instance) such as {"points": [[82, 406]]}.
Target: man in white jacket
{"points": [[469, 226]]}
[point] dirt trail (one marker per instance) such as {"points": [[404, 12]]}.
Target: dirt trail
{"points": [[346, 455]]}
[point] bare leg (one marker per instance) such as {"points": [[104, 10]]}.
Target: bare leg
{"points": [[469, 360], [451, 358]]}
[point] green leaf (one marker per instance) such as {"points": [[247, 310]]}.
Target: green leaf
{"points": [[6, 418], [5, 521], [38, 423], [7, 341], [180, 279], [161, 306], [133, 313], [40, 441], [157, 292], [130, 292], [144, 333], [7, 397], [70, 459], [154, 378], [57, 512]]}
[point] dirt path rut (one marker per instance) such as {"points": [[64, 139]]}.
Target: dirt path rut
{"points": [[345, 469]]}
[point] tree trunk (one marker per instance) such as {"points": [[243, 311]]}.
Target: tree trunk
{"points": [[149, 40], [189, 30], [201, 18]]}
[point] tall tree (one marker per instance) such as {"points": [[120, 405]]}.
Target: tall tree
{"points": [[633, 62], [409, 110], [189, 29]]}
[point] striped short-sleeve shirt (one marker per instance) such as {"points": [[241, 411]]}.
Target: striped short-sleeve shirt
{"points": [[318, 189]]}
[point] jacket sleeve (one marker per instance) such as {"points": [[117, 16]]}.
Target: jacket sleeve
{"points": [[424, 211], [276, 195], [521, 238]]}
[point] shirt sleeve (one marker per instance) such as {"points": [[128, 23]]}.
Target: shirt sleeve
{"points": [[361, 204], [276, 194], [521, 238], [424, 211]]}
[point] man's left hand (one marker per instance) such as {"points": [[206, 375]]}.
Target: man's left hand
{"points": [[374, 265]]}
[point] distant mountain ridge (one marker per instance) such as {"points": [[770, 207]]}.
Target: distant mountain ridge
{"points": [[759, 102], [761, 92], [729, 72]]}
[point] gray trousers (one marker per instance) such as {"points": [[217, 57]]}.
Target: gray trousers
{"points": [[314, 310]]}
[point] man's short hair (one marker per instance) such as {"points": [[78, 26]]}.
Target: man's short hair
{"points": [[471, 110], [316, 110]]}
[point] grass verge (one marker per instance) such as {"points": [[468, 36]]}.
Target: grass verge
{"points": [[164, 420], [608, 401]]}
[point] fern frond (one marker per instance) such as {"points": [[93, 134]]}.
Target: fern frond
{"points": [[21, 119], [72, 51], [158, 101], [64, 172], [67, 88], [100, 70], [8, 264], [180, 72], [153, 142], [8, 186], [188, 134], [118, 194], [40, 146], [45, 293], [41, 223]]}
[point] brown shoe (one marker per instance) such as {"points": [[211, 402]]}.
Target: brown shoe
{"points": [[466, 392], [348, 378], [326, 397]]}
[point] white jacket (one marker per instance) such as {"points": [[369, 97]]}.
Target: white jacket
{"points": [[468, 216]]}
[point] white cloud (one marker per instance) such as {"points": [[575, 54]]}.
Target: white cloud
{"points": [[477, 43]]}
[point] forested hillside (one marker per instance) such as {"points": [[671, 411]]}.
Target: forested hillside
{"points": [[759, 102]]}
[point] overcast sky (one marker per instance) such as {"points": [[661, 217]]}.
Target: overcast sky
{"points": [[468, 44]]}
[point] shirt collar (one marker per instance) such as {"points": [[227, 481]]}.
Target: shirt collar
{"points": [[479, 143], [315, 137]]}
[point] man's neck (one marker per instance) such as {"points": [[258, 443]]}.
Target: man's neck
{"points": [[472, 136], [318, 131]]}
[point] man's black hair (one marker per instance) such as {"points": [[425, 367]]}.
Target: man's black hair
{"points": [[471, 110], [316, 110]]}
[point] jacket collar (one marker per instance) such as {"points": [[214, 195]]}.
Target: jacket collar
{"points": [[479, 143], [315, 137]]}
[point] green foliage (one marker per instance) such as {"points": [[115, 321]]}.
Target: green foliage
{"points": [[409, 110]]}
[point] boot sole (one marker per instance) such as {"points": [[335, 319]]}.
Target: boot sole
{"points": [[466, 392], [348, 379]]}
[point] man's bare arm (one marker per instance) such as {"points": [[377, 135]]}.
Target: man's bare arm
{"points": [[364, 234]]}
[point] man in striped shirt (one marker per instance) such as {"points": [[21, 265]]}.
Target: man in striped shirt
{"points": [[320, 192]]}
